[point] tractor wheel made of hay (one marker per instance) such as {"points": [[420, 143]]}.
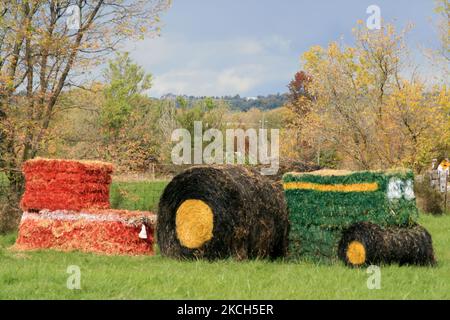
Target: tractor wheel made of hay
{"points": [[359, 244], [366, 243], [408, 246], [216, 212]]}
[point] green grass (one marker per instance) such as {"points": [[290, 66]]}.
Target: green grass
{"points": [[142, 196], [42, 275]]}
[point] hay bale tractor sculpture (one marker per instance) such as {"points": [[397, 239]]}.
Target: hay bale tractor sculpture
{"points": [[216, 212], [360, 217], [363, 218]]}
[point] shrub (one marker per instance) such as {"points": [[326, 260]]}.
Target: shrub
{"points": [[429, 200]]}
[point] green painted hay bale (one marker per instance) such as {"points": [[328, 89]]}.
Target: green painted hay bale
{"points": [[313, 242], [324, 203]]}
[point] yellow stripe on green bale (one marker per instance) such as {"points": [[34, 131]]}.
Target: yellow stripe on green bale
{"points": [[194, 223], [356, 253], [355, 187]]}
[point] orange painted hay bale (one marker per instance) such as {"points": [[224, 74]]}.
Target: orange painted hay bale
{"points": [[66, 184], [107, 232]]}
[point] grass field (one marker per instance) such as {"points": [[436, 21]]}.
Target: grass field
{"points": [[136, 195], [43, 274]]}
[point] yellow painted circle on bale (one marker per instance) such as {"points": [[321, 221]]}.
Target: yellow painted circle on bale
{"points": [[194, 222], [356, 253]]}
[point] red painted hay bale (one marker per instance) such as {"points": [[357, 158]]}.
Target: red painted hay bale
{"points": [[67, 166], [56, 186], [72, 178], [63, 200], [99, 231], [66, 185]]}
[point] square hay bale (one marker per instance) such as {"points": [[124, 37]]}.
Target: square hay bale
{"points": [[323, 203], [107, 232], [66, 185]]}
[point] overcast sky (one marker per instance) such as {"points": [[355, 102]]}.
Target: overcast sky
{"points": [[252, 47]]}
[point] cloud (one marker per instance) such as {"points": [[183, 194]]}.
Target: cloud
{"points": [[183, 81], [250, 47], [240, 79], [218, 67], [207, 82]]}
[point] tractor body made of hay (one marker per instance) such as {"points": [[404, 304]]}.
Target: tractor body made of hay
{"points": [[362, 217]]}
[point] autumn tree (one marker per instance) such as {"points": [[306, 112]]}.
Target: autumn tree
{"points": [[299, 96], [443, 10], [299, 103], [76, 130], [42, 55], [364, 107], [114, 121]]}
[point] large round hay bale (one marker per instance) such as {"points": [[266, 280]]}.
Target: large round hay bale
{"points": [[365, 243], [216, 212]]}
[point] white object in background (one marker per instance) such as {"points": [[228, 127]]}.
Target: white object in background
{"points": [[409, 190], [143, 233], [394, 189], [433, 164], [443, 173], [73, 21], [443, 178]]}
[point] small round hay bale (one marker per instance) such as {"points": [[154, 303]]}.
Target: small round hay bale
{"points": [[360, 244], [215, 212], [365, 243], [409, 246]]}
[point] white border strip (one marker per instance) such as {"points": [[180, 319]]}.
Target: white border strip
{"points": [[64, 215]]}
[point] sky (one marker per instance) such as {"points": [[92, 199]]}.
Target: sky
{"points": [[253, 47]]}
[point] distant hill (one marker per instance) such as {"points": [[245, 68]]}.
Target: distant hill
{"points": [[269, 102]]}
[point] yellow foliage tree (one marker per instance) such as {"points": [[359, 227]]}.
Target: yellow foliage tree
{"points": [[366, 110]]}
